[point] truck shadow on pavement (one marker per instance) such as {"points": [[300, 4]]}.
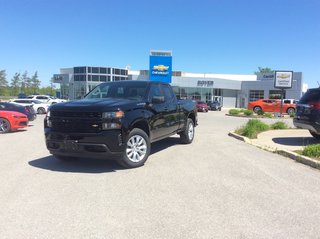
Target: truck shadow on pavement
{"points": [[80, 165], [295, 141], [163, 144], [86, 165]]}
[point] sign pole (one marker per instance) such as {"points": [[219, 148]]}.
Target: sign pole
{"points": [[281, 102], [283, 80]]}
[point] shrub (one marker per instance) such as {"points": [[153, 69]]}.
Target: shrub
{"points": [[252, 128], [260, 112], [234, 112], [248, 112], [292, 115], [268, 115], [279, 125], [312, 150]]}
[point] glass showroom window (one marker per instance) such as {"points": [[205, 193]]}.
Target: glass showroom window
{"points": [[256, 95], [276, 94]]}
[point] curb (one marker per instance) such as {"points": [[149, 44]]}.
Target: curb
{"points": [[295, 156]]}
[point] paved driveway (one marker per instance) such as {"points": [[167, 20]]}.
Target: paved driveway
{"points": [[218, 187]]}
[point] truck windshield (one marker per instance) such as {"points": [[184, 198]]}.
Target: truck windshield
{"points": [[123, 90]]}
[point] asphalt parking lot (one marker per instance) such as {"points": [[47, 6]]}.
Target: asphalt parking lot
{"points": [[217, 187]]}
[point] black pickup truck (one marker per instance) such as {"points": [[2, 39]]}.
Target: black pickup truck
{"points": [[119, 120]]}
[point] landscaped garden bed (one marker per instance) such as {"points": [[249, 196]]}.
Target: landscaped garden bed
{"points": [[260, 114], [255, 126]]}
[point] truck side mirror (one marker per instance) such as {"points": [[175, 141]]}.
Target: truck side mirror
{"points": [[157, 99]]}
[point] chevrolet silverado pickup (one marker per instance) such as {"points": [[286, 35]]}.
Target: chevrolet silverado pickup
{"points": [[119, 120]]}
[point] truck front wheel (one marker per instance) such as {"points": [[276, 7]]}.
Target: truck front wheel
{"points": [[137, 149], [187, 135]]}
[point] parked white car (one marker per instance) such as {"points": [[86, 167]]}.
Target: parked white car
{"points": [[46, 99], [290, 101], [38, 106]]}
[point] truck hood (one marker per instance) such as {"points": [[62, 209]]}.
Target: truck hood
{"points": [[97, 105]]}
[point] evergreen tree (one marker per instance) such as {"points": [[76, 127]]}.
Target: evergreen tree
{"points": [[34, 83], [52, 87], [3, 82], [263, 70], [15, 84], [24, 82]]}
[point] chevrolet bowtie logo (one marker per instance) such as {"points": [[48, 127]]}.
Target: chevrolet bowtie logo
{"points": [[283, 76], [160, 68]]}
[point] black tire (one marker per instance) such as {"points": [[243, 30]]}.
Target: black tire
{"points": [[291, 111], [187, 135], [41, 110], [137, 149], [5, 126], [256, 109], [65, 158], [315, 135], [219, 109]]}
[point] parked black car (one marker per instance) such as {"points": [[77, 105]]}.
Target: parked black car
{"points": [[215, 105], [27, 110], [308, 112]]}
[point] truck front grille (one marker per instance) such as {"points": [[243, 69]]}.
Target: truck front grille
{"points": [[79, 122]]}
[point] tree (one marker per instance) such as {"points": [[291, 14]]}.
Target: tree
{"points": [[3, 81], [15, 84], [263, 70], [34, 83], [52, 86], [24, 82]]}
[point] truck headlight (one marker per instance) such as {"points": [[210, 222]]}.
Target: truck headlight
{"points": [[48, 121], [113, 119], [113, 115]]}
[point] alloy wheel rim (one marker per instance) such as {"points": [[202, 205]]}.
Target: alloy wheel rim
{"points": [[3, 126], [190, 131], [136, 148]]}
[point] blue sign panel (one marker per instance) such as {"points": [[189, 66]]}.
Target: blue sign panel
{"points": [[160, 68]]}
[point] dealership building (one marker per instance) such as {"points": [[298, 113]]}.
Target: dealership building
{"points": [[230, 89]]}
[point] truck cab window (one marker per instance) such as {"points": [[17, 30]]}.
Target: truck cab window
{"points": [[155, 90], [168, 96]]}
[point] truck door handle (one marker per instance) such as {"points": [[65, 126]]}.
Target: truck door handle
{"points": [[165, 109]]}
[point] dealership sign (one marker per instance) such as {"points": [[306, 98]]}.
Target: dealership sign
{"points": [[283, 79], [205, 83], [61, 78], [160, 68]]}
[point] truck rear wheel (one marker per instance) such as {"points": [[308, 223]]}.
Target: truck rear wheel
{"points": [[187, 135], [137, 149]]}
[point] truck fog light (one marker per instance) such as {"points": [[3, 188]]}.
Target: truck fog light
{"points": [[111, 126]]}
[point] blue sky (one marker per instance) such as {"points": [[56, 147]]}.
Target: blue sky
{"points": [[222, 37]]}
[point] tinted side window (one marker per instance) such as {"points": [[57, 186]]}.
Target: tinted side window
{"points": [[312, 95], [168, 96], [42, 98], [155, 90]]}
